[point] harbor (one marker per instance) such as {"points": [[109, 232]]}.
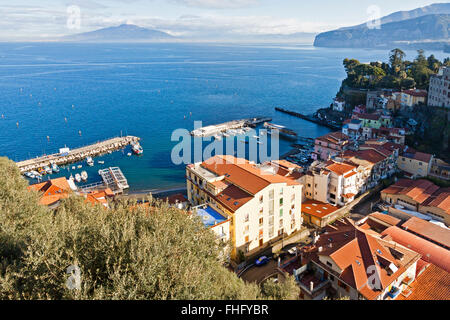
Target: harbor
{"points": [[228, 127], [66, 156], [324, 123]]}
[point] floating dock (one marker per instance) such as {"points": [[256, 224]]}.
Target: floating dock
{"points": [[67, 156], [219, 128], [310, 119], [114, 179]]}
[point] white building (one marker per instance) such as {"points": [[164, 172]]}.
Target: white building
{"points": [[338, 104], [439, 90], [262, 202]]}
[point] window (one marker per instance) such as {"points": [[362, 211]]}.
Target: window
{"points": [[281, 213], [329, 264], [247, 239], [261, 199], [247, 217], [281, 201], [261, 221]]}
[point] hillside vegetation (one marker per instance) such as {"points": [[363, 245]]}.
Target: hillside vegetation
{"points": [[127, 252]]}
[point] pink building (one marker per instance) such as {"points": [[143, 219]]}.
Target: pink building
{"points": [[330, 145]]}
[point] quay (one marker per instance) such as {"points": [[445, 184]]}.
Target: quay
{"points": [[66, 156], [236, 124], [309, 118]]}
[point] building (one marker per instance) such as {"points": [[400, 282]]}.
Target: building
{"points": [[420, 196], [353, 129], [430, 252], [347, 261], [99, 197], [396, 135], [330, 145], [331, 182], [413, 97], [431, 284], [213, 220], [338, 104], [416, 164], [52, 191], [439, 90], [440, 169], [428, 231], [262, 201], [318, 213], [369, 120]]}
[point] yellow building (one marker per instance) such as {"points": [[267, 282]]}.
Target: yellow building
{"points": [[262, 202], [417, 164]]}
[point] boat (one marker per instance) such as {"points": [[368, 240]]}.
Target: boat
{"points": [[55, 167], [78, 178], [84, 176], [101, 162], [89, 161], [41, 171], [29, 175], [79, 166], [129, 154], [226, 135], [73, 167], [36, 174], [48, 170], [137, 149]]}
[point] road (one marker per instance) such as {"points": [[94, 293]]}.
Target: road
{"points": [[364, 208]]}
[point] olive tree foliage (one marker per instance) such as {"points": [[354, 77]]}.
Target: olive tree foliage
{"points": [[286, 289], [126, 252]]}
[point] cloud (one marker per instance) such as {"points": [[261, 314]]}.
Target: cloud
{"points": [[217, 4]]}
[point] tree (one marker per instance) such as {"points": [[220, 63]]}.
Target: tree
{"points": [[396, 61], [127, 252], [286, 289]]}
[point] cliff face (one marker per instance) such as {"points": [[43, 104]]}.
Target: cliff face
{"points": [[432, 30]]}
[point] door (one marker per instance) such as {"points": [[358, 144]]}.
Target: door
{"points": [[261, 242]]}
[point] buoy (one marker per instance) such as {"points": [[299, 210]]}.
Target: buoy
{"points": [[17, 124], [48, 138], [65, 119], [79, 132], [3, 116], [73, 106]]}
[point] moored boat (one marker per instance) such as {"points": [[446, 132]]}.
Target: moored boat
{"points": [[84, 176], [48, 170], [137, 149], [77, 177], [89, 161]]}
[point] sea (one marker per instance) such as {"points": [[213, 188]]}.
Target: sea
{"points": [[56, 95]]}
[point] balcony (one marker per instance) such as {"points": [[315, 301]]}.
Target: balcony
{"points": [[312, 284]]}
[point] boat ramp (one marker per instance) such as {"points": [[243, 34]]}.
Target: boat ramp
{"points": [[67, 156]]}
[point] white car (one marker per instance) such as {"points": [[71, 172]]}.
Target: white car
{"points": [[292, 251]]}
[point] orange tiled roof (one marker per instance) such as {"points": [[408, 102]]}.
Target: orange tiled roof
{"points": [[432, 284], [244, 174], [52, 191], [340, 168], [353, 250], [317, 208], [385, 218], [430, 252], [418, 190], [233, 198], [428, 230]]}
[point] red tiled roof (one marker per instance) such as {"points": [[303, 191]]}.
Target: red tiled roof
{"points": [[52, 191], [416, 93], [432, 284], [428, 230], [369, 116], [430, 252], [334, 138], [418, 190], [318, 209], [233, 198], [340, 168], [385, 218]]}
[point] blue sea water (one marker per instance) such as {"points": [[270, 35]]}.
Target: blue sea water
{"points": [[147, 90]]}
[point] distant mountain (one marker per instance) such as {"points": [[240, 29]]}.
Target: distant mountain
{"points": [[122, 33], [437, 8], [427, 32]]}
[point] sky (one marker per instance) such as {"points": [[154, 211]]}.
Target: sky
{"points": [[41, 19]]}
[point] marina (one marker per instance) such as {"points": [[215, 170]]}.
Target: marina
{"points": [[229, 128], [309, 118], [66, 156]]}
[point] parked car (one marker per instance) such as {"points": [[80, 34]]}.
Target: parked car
{"points": [[292, 251], [262, 261]]}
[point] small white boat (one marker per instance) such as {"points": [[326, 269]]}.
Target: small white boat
{"points": [[129, 154], [89, 161], [73, 167], [29, 175], [101, 162], [55, 167], [36, 174], [84, 176], [78, 178], [48, 170], [80, 166], [226, 135]]}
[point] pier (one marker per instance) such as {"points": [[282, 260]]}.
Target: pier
{"points": [[310, 119], [67, 156], [236, 124]]}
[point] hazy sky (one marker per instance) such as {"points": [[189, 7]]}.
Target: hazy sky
{"points": [[31, 19]]}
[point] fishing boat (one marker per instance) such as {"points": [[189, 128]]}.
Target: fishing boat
{"points": [[36, 174], [78, 178], [55, 167], [137, 149], [41, 171], [84, 176], [89, 161], [48, 170]]}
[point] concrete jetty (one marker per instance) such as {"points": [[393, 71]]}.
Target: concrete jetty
{"points": [[76, 155]]}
